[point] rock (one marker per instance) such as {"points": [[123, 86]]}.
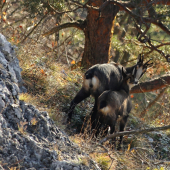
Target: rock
{"points": [[29, 139], [9, 64]]}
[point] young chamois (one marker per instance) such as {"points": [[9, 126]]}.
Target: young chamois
{"points": [[114, 104], [101, 77]]}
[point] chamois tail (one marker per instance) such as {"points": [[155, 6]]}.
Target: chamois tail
{"points": [[89, 75], [103, 104]]}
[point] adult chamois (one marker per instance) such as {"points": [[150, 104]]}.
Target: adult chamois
{"points": [[101, 77], [114, 104]]}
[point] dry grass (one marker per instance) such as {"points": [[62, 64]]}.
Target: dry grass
{"points": [[51, 87]]}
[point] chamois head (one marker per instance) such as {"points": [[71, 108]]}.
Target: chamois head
{"points": [[128, 80], [140, 68]]}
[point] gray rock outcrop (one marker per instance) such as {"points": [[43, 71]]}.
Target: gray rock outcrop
{"points": [[29, 139]]}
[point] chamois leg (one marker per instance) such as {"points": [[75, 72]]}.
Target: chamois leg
{"points": [[122, 126], [93, 113], [81, 95], [112, 130]]}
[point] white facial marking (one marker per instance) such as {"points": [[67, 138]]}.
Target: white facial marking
{"points": [[133, 72], [138, 73], [131, 85]]}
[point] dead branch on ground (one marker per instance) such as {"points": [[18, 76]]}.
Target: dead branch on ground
{"points": [[112, 136]]}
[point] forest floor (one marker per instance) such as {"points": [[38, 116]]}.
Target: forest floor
{"points": [[51, 86]]}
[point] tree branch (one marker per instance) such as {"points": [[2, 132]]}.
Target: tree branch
{"points": [[78, 3], [142, 114], [132, 5], [112, 136], [126, 6], [52, 8], [77, 25], [145, 39], [159, 51], [152, 85], [143, 20], [162, 44], [33, 29], [157, 23], [163, 2]]}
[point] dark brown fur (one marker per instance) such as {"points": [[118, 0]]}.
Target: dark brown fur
{"points": [[101, 77], [114, 104]]}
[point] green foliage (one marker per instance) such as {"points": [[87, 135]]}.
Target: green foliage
{"points": [[40, 6], [103, 162]]}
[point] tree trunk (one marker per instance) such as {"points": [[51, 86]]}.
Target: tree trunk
{"points": [[98, 33]]}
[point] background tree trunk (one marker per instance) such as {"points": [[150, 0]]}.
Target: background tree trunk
{"points": [[98, 33]]}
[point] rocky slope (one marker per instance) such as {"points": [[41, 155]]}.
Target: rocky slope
{"points": [[28, 137]]}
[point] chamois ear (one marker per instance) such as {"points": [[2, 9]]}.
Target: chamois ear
{"points": [[140, 59], [123, 73]]}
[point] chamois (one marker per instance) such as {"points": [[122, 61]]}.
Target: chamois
{"points": [[101, 77], [114, 104]]}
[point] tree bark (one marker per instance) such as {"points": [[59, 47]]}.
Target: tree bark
{"points": [[152, 85], [98, 33]]}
